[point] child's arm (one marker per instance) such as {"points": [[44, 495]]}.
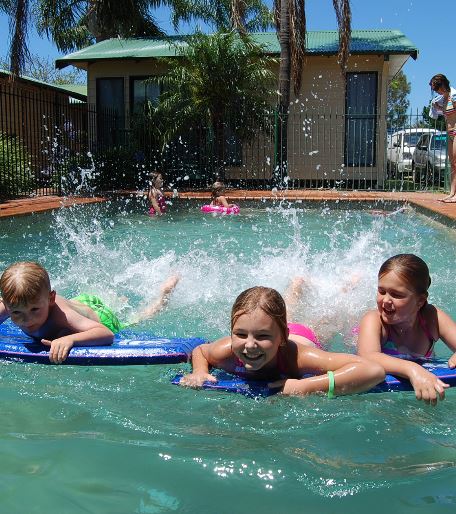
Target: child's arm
{"points": [[204, 357], [3, 312], [352, 374], [447, 332], [154, 203], [427, 386], [224, 201], [60, 347]]}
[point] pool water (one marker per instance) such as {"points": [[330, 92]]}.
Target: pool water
{"points": [[124, 440]]}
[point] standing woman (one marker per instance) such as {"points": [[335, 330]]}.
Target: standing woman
{"points": [[445, 103]]}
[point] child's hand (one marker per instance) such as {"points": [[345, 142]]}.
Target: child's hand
{"points": [[452, 361], [60, 348], [197, 379], [427, 386]]}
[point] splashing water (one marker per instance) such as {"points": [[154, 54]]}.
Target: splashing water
{"points": [[173, 443]]}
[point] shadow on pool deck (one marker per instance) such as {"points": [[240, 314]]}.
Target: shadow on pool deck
{"points": [[426, 201]]}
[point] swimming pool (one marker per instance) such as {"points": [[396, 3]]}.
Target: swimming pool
{"points": [[123, 439]]}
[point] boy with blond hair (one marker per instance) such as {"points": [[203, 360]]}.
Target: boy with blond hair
{"points": [[27, 298]]}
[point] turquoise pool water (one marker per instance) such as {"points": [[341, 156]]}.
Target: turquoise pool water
{"points": [[123, 440]]}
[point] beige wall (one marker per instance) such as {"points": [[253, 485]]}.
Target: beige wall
{"points": [[316, 136], [317, 123]]}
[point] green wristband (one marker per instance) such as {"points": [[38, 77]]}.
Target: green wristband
{"points": [[331, 385]]}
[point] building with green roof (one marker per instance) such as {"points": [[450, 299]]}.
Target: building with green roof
{"points": [[337, 124]]}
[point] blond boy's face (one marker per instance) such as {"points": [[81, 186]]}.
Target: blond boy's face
{"points": [[31, 316]]}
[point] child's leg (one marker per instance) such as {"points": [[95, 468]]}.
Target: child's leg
{"points": [[165, 290], [294, 294]]}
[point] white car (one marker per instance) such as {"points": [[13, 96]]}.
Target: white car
{"points": [[430, 158], [401, 147]]}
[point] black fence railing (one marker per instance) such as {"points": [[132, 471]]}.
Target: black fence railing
{"points": [[53, 144]]}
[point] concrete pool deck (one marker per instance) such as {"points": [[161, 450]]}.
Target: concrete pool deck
{"points": [[426, 201]]}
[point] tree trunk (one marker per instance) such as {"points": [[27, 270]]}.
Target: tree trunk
{"points": [[284, 93]]}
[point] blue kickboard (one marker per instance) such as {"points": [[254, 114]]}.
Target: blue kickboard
{"points": [[233, 384], [128, 348]]}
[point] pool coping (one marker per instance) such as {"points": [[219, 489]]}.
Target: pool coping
{"points": [[427, 203]]}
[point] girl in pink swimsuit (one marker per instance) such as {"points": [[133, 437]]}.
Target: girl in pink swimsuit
{"points": [[263, 346], [155, 195], [406, 325]]}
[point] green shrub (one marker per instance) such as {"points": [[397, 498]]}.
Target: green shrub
{"points": [[16, 177], [109, 170], [401, 185]]}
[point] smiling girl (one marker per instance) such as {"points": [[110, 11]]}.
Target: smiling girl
{"points": [[405, 325], [263, 346]]}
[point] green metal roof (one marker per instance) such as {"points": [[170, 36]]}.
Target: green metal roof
{"points": [[324, 42], [78, 91]]}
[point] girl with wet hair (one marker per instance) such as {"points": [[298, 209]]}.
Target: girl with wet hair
{"points": [[264, 346], [405, 326]]}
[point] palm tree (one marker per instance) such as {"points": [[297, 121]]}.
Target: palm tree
{"points": [[291, 29], [73, 24], [224, 15], [221, 82]]}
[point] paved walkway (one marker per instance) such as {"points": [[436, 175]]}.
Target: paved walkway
{"points": [[427, 201], [41, 203]]}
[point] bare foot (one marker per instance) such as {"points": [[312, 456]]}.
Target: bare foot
{"points": [[451, 198], [169, 284], [351, 283], [294, 293]]}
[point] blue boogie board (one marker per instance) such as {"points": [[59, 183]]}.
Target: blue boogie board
{"points": [[233, 384], [128, 348]]}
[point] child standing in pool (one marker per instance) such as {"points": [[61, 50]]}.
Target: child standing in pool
{"points": [[27, 298], [405, 324], [218, 198], [262, 345], [155, 195]]}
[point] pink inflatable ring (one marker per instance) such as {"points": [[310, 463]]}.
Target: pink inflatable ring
{"points": [[221, 210]]}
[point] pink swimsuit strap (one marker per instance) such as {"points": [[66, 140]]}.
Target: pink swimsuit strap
{"points": [[302, 330], [393, 350]]}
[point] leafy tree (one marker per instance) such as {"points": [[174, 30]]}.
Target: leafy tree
{"points": [[42, 68], [219, 81], [397, 102], [429, 122]]}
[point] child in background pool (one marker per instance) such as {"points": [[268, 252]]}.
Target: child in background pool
{"points": [[217, 195], [27, 298], [155, 195], [263, 346], [406, 324]]}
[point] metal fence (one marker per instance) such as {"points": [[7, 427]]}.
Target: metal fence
{"points": [[52, 144]]}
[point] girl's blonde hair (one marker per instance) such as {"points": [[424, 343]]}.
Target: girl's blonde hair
{"points": [[412, 270], [268, 300], [24, 282], [217, 189]]}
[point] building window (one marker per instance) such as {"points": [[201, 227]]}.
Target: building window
{"points": [[110, 110], [361, 119], [142, 92]]}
